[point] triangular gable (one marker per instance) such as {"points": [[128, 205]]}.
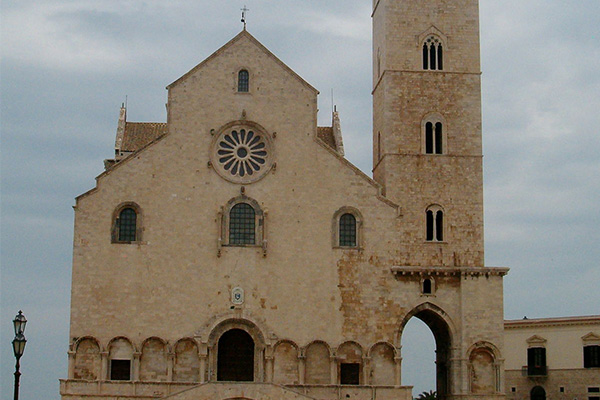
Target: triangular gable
{"points": [[591, 339], [244, 34], [536, 340]]}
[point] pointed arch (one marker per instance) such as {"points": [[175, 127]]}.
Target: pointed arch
{"points": [[443, 330]]}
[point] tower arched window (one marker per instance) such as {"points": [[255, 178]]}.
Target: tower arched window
{"points": [[126, 224], [243, 81], [434, 134], [435, 224], [433, 54]]}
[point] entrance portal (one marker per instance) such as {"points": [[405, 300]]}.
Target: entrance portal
{"points": [[235, 357], [538, 393], [441, 334]]}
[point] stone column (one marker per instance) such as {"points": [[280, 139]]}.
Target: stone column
{"points": [[136, 366], [71, 373], [203, 354], [458, 369], [333, 370], [170, 366], [104, 366], [269, 367], [398, 371], [302, 370], [366, 361]]}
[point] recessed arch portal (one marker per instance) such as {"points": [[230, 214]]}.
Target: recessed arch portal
{"points": [[439, 324], [235, 356]]}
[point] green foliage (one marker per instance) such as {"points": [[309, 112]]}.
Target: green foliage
{"points": [[431, 395]]}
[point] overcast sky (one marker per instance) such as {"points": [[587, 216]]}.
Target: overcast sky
{"points": [[66, 67]]}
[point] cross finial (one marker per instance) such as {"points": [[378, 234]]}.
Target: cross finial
{"points": [[244, 15]]}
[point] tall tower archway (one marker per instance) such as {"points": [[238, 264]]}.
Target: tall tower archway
{"points": [[442, 333]]}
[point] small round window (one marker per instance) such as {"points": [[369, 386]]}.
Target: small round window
{"points": [[242, 154]]}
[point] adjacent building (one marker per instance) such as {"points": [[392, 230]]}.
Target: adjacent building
{"points": [[553, 358]]}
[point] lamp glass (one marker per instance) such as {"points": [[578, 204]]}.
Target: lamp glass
{"points": [[19, 323], [19, 345]]}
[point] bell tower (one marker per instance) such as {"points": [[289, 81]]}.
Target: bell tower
{"points": [[427, 149]]}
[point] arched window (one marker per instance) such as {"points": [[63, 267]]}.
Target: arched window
{"points": [[242, 224], [126, 225], [347, 230], [120, 355], [434, 135], [427, 286], [243, 81], [435, 224], [347, 223], [433, 54]]}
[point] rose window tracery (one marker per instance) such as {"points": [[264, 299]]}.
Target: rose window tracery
{"points": [[242, 154]]}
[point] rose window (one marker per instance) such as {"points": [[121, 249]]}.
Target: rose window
{"points": [[242, 154]]}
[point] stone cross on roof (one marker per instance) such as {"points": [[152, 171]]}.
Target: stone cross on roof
{"points": [[244, 15]]}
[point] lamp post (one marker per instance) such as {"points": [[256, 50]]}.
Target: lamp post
{"points": [[19, 346]]}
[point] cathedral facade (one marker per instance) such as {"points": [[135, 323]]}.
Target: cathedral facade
{"points": [[233, 252]]}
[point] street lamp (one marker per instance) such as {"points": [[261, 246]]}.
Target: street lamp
{"points": [[19, 346]]}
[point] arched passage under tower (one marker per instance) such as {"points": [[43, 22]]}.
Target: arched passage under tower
{"points": [[438, 323]]}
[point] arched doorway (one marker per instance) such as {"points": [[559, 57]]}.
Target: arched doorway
{"points": [[235, 356], [538, 393], [432, 317]]}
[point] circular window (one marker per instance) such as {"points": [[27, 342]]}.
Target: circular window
{"points": [[242, 154]]}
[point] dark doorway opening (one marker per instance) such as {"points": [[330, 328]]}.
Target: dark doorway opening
{"points": [[235, 357], [538, 393]]}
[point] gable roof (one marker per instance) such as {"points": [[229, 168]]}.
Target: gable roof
{"points": [[237, 38], [139, 134]]}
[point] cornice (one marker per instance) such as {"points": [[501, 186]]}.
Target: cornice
{"points": [[448, 271], [546, 322]]}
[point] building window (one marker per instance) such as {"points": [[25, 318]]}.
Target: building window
{"points": [[594, 393], [120, 370], [434, 134], [427, 286], [243, 81], [349, 373], [347, 223], [242, 224], [433, 138], [126, 225], [435, 224], [433, 54], [120, 354], [536, 361], [591, 356], [347, 230]]}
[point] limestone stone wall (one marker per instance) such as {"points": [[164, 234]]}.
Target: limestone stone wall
{"points": [[308, 303]]}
